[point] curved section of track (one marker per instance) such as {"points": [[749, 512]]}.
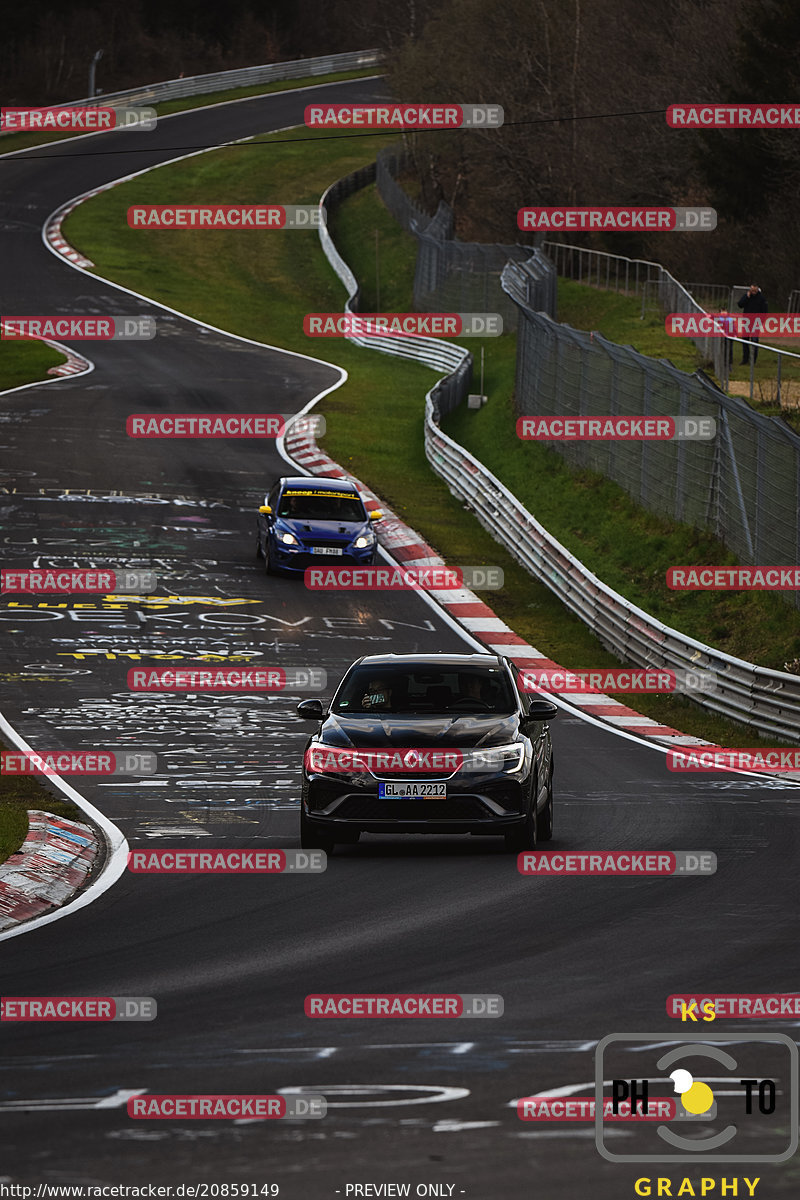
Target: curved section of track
{"points": [[230, 959]]}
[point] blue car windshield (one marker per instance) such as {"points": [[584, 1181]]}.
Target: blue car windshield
{"points": [[296, 505], [425, 691]]}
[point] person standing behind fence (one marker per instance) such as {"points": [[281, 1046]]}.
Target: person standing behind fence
{"points": [[752, 302]]}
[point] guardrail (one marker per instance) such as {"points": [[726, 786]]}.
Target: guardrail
{"points": [[199, 85], [766, 699], [454, 361]]}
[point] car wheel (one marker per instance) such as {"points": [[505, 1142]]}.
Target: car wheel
{"points": [[544, 827], [312, 838], [268, 567], [523, 837], [259, 551]]}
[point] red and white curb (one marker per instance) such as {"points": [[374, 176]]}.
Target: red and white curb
{"points": [[52, 864], [409, 549], [54, 238]]}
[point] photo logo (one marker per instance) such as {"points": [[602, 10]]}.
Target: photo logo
{"points": [[756, 1099], [403, 116], [615, 219]]}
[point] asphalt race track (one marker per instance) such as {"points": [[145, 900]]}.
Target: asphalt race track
{"points": [[231, 958]]}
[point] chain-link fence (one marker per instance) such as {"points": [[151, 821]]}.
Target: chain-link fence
{"points": [[453, 361], [744, 486], [455, 276], [636, 276]]}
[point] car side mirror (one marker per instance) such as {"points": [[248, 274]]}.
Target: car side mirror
{"points": [[311, 710], [541, 710], [376, 514], [265, 509]]}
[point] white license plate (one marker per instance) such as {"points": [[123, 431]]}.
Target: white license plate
{"points": [[411, 789], [326, 550]]}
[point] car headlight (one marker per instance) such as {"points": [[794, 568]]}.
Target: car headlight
{"points": [[365, 539], [289, 539], [509, 758]]}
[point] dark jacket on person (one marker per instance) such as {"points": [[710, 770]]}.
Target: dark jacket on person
{"points": [[755, 303]]}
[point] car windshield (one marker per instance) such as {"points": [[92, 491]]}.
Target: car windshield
{"points": [[425, 690], [300, 505]]}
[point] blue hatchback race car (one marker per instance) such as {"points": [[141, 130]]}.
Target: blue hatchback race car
{"points": [[305, 521]]}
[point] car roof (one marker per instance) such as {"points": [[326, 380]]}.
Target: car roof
{"points": [[430, 660], [322, 483]]}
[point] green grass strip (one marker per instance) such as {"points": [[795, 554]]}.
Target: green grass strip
{"points": [[26, 362]]}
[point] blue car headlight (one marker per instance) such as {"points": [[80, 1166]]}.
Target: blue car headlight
{"points": [[364, 540]]}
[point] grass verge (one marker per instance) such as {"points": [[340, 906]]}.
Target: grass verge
{"points": [[18, 793], [261, 286], [26, 362]]}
